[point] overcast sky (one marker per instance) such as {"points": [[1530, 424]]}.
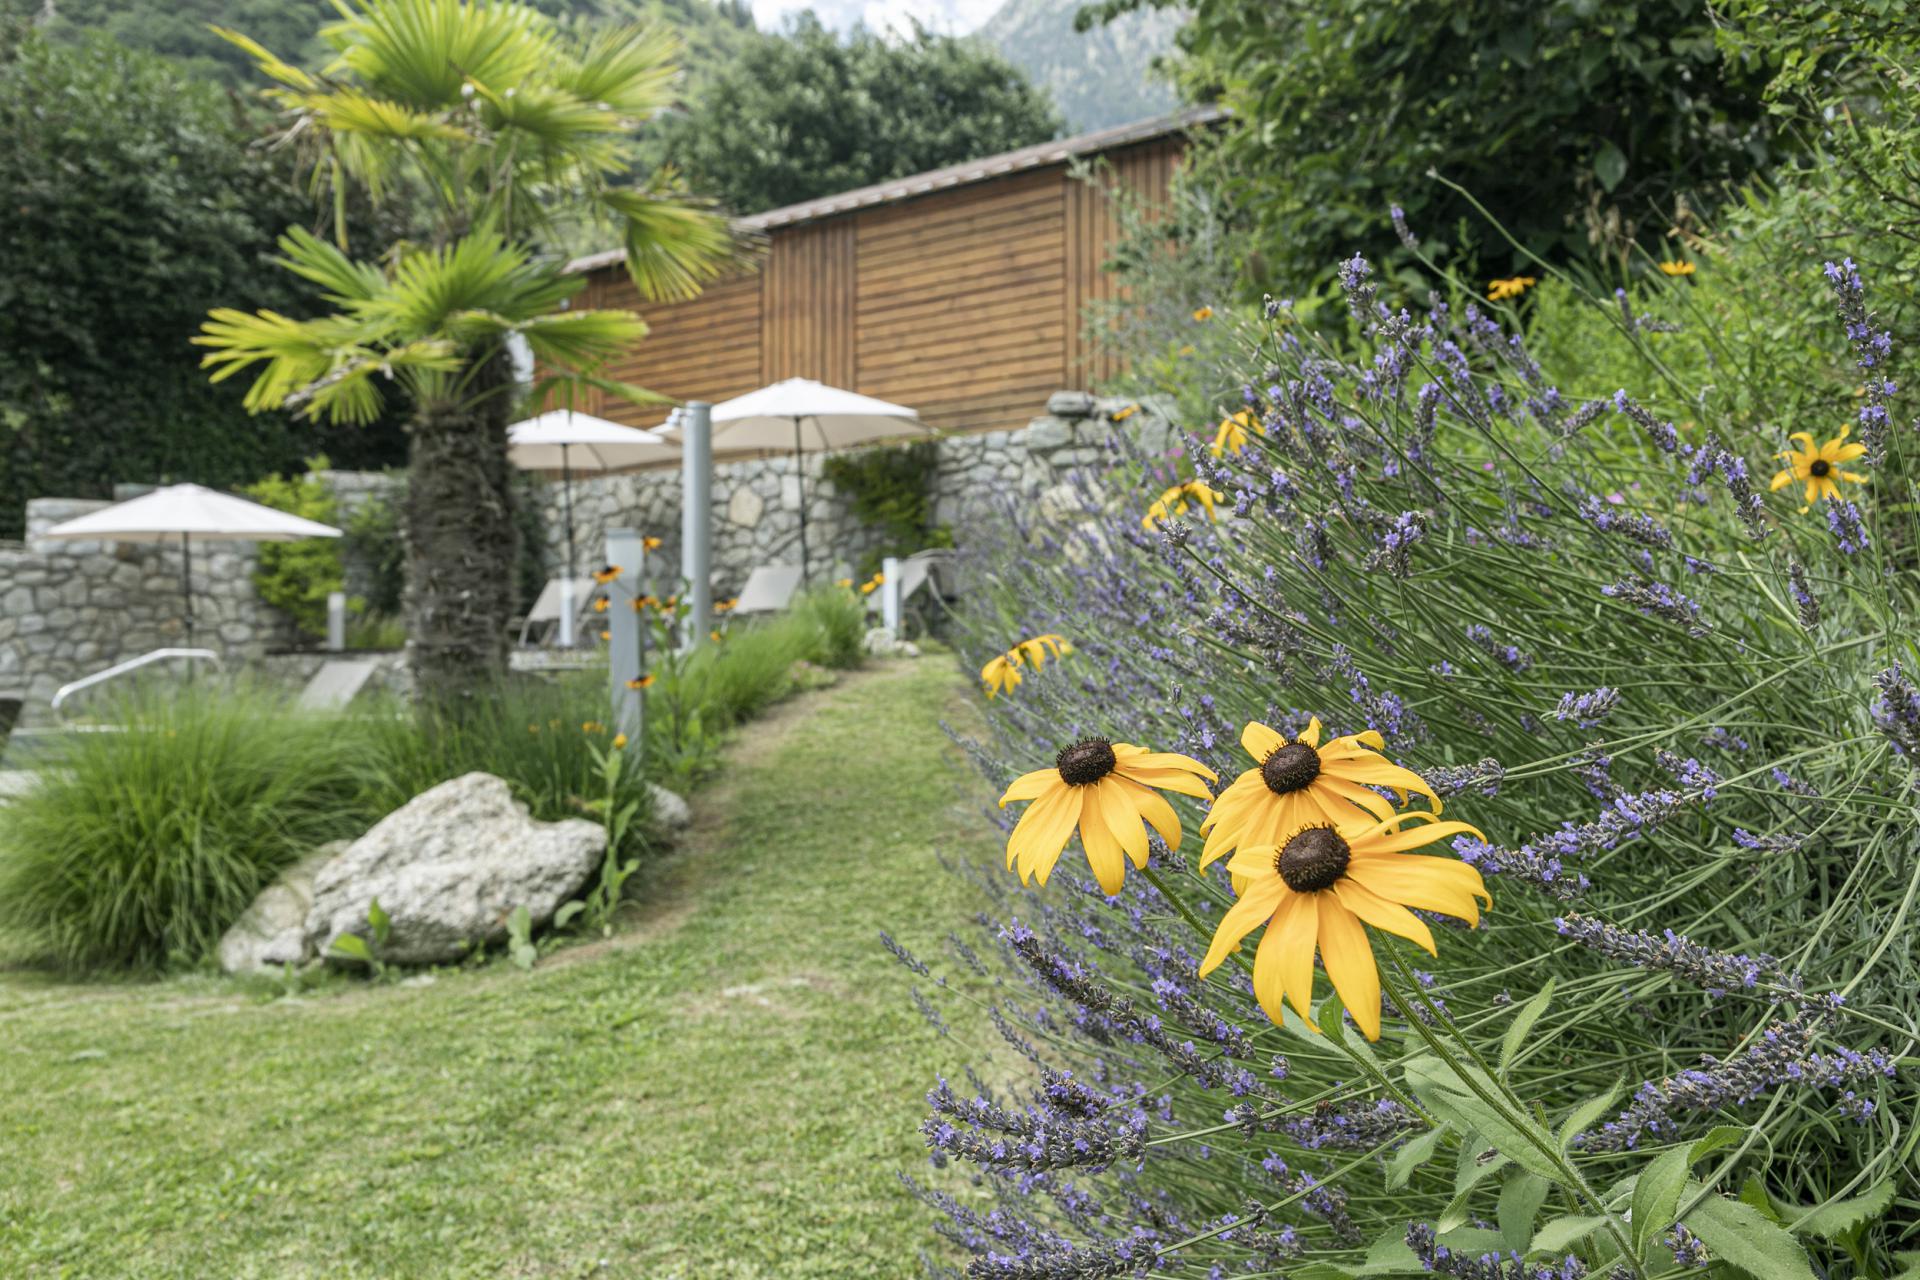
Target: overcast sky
{"points": [[949, 17]]}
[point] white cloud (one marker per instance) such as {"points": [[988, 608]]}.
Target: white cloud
{"points": [[948, 17]]}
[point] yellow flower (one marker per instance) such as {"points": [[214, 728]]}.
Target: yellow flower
{"points": [[843, 582], [1501, 290], [1232, 437], [649, 544], [606, 635], [1002, 673], [619, 741], [868, 587], [725, 606], [1109, 790], [716, 636], [600, 604], [1320, 887], [1677, 268], [1174, 502], [592, 726], [1035, 650], [533, 728], [606, 574], [1818, 465], [1300, 783], [1120, 415], [641, 682], [1187, 349], [1203, 314]]}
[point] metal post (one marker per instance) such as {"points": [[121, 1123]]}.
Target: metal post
{"points": [[567, 606], [336, 621], [800, 487], [626, 552], [696, 517], [186, 586], [890, 595]]}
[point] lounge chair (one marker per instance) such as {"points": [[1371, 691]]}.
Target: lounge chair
{"points": [[769, 589], [545, 613], [336, 683], [930, 571]]}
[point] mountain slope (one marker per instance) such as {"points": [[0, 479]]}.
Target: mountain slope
{"points": [[1098, 78]]}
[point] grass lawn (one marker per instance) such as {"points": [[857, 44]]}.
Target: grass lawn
{"points": [[726, 1088]]}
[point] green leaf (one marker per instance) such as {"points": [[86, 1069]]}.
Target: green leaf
{"points": [[1412, 1156], [1609, 165], [1753, 1192], [1389, 1255], [1520, 1201], [1656, 1194], [1320, 1271], [565, 914], [1523, 1023], [1447, 1096], [1836, 1218], [379, 922], [351, 946], [1586, 1113], [1470, 1176], [1741, 1236], [1561, 1234], [1718, 1138]]}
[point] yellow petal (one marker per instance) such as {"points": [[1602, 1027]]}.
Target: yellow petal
{"points": [[1348, 957], [1781, 479], [1166, 780], [1158, 761], [1378, 771], [1414, 835], [1254, 861], [1424, 883], [1854, 476], [1109, 799], [1045, 825], [1845, 453], [1104, 854], [1227, 805], [1352, 792], [1381, 914], [1153, 806], [1287, 953], [1806, 442], [1030, 786], [1253, 909], [1259, 741], [1813, 491], [1312, 734]]}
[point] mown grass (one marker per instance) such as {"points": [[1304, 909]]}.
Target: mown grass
{"points": [[725, 1089]]}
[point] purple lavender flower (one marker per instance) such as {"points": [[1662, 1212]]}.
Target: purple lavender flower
{"points": [[1803, 598], [1718, 972], [1657, 599], [1872, 349], [1587, 710], [1849, 529], [1508, 656]]}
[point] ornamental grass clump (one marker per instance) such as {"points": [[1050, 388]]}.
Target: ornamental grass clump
{"points": [[1580, 763]]}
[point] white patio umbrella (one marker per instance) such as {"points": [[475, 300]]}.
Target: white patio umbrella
{"points": [[564, 441], [186, 512], [811, 417]]}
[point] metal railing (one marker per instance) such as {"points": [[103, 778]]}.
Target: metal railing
{"points": [[119, 669]]}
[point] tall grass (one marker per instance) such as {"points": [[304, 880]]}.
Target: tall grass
{"points": [[139, 847]]}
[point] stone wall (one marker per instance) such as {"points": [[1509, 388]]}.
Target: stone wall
{"points": [[68, 609], [756, 503]]}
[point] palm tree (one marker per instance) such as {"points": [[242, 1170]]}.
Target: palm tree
{"points": [[499, 133]]}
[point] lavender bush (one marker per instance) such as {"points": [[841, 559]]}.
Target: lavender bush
{"points": [[1680, 709]]}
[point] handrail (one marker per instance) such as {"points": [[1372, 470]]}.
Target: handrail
{"points": [[65, 691]]}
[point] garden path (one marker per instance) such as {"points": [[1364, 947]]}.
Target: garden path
{"points": [[725, 1089]]}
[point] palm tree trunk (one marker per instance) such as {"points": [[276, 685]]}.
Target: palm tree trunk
{"points": [[461, 540]]}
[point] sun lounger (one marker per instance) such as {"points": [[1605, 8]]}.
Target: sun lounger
{"points": [[769, 589]]}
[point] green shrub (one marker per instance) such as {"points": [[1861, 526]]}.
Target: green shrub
{"points": [[297, 577], [373, 540], [143, 845], [839, 620], [890, 490]]}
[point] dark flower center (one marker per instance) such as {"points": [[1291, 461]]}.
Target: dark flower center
{"points": [[1291, 768], [1820, 467], [1088, 760], [1313, 860]]}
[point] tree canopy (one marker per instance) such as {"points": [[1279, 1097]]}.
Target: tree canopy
{"points": [[808, 113]]}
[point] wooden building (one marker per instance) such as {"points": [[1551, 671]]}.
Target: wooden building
{"points": [[958, 292]]}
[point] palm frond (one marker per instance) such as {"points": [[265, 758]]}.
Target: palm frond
{"points": [[552, 116], [477, 273], [344, 110], [270, 64], [631, 69], [423, 52], [673, 246], [565, 389], [347, 283]]}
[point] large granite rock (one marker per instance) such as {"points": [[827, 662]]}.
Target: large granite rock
{"points": [[671, 814], [273, 931], [448, 867]]}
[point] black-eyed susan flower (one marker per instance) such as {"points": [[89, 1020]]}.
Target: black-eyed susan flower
{"points": [[1203, 314], [600, 604], [1818, 466], [641, 682], [619, 741], [843, 582], [606, 635], [725, 606], [1677, 267], [716, 635], [1300, 784], [1110, 791], [606, 574], [873, 584], [1511, 287], [649, 544], [1232, 436], [1320, 887], [1178, 500], [1002, 673], [1122, 414], [592, 726], [1035, 650]]}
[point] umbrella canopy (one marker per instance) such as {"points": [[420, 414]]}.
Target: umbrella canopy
{"points": [[808, 417], [187, 510], [829, 417], [562, 440]]}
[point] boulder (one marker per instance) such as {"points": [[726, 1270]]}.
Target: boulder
{"points": [[1071, 404], [670, 812], [273, 931], [448, 867]]}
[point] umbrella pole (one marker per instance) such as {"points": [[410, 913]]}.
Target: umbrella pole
{"points": [[800, 481], [186, 586], [568, 606]]}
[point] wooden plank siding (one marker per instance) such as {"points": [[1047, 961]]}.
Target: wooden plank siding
{"points": [[965, 303]]}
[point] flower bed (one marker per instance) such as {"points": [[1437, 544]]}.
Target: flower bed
{"points": [[1494, 834]]}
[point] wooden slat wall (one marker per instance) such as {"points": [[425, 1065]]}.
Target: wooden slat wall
{"points": [[964, 303]]}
